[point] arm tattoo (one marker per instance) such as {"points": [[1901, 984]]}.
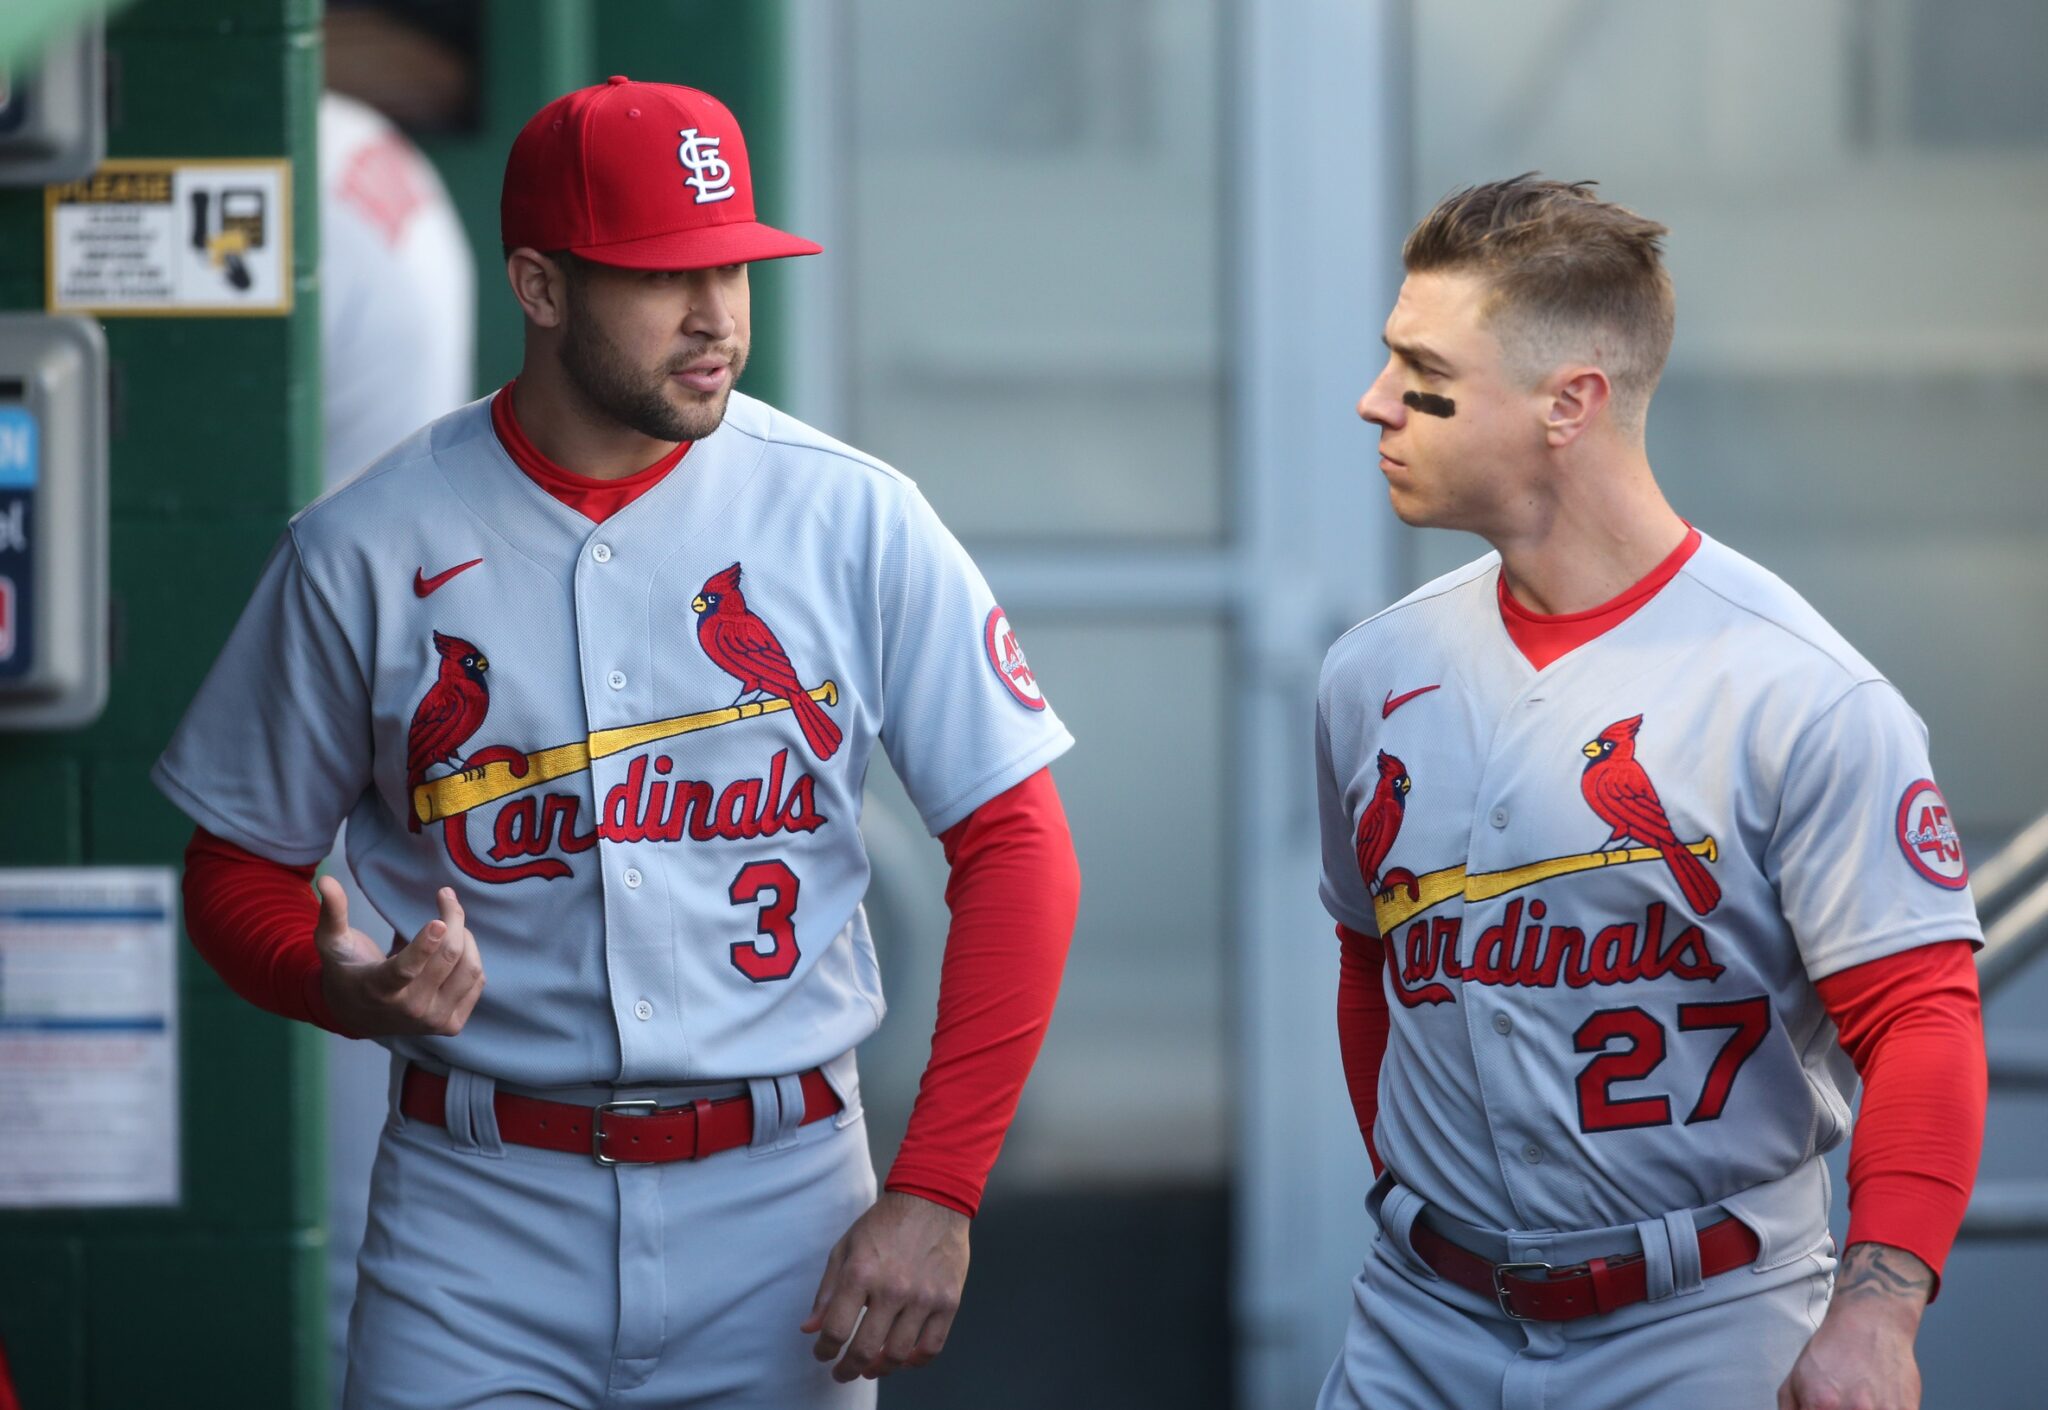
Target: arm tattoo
{"points": [[1879, 1270]]}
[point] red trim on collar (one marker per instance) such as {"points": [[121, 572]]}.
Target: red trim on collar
{"points": [[596, 500], [1542, 639]]}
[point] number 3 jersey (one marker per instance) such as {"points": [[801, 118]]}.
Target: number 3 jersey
{"points": [[635, 748], [1606, 888]]}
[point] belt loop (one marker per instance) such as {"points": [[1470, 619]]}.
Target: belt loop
{"points": [[1377, 1195], [394, 1118], [1682, 1237], [773, 1130], [789, 1100], [455, 1110], [472, 1116], [1397, 1215], [1656, 1240]]}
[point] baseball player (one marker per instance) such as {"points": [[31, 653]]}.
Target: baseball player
{"points": [[594, 669], [1636, 865]]}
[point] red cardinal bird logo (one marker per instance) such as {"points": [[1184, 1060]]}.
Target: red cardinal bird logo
{"points": [[740, 644], [449, 713], [1380, 824], [1622, 796]]}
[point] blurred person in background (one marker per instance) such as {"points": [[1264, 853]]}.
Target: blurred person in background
{"points": [[1637, 865], [397, 289]]}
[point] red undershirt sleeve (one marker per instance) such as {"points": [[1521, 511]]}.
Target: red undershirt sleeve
{"points": [[252, 919], [1363, 1023], [1913, 1025], [1014, 889]]}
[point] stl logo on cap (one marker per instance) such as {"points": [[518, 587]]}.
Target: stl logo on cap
{"points": [[710, 175], [637, 176]]}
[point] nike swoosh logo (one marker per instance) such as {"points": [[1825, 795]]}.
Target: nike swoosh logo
{"points": [[423, 586], [1395, 702]]}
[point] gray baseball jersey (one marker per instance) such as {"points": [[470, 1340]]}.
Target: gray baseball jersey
{"points": [[635, 749], [1606, 888]]}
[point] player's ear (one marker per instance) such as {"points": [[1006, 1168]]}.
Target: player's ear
{"points": [[540, 284], [1577, 396]]}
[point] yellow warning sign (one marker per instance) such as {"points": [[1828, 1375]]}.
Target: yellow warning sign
{"points": [[171, 237]]}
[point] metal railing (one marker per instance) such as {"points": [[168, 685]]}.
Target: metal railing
{"points": [[2012, 901], [1997, 882]]}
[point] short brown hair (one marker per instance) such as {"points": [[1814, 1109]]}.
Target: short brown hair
{"points": [[1567, 273]]}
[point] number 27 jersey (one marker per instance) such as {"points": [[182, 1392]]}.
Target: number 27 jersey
{"points": [[1606, 888]]}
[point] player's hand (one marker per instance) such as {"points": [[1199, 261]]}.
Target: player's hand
{"points": [[905, 1261], [428, 985], [1862, 1356]]}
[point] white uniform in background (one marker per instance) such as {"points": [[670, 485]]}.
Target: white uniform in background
{"points": [[397, 289]]}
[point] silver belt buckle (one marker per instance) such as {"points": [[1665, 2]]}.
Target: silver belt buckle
{"points": [[1500, 1288], [597, 1133]]}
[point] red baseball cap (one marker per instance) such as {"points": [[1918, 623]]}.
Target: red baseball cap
{"points": [[638, 175]]}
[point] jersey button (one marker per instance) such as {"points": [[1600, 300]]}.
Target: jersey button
{"points": [[632, 876], [602, 553], [1503, 1024], [616, 680], [1533, 1153], [1498, 817], [644, 1011]]}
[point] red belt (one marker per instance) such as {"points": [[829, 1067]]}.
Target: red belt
{"points": [[612, 1134], [1561, 1294]]}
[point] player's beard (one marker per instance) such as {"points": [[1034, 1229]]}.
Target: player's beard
{"points": [[635, 397]]}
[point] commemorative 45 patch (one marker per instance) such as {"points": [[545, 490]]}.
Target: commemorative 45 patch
{"points": [[1927, 835], [1008, 659]]}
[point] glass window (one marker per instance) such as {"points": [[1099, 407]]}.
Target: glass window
{"points": [[1037, 333]]}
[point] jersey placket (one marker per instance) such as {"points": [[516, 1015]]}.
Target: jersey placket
{"points": [[613, 659], [617, 564], [1530, 807], [1500, 837]]}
